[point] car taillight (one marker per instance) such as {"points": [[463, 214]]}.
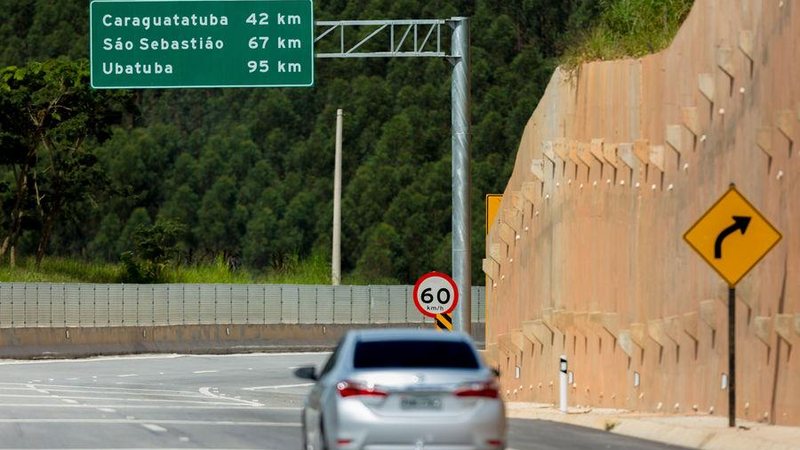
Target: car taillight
{"points": [[353, 388], [487, 389]]}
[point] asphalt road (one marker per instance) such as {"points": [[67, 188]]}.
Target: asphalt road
{"points": [[171, 402]]}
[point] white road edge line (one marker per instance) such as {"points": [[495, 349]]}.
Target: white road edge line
{"points": [[280, 386], [88, 360], [164, 422], [211, 405], [205, 371]]}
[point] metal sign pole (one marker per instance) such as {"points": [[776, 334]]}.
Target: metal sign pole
{"points": [[461, 236], [336, 255], [732, 356], [422, 39]]}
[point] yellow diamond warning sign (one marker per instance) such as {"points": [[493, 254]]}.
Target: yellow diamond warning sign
{"points": [[732, 236]]}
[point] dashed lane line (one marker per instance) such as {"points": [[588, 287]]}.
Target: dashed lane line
{"points": [[154, 428]]}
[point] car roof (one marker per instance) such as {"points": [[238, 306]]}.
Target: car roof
{"points": [[408, 334]]}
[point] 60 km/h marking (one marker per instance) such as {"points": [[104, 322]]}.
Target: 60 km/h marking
{"points": [[435, 293]]}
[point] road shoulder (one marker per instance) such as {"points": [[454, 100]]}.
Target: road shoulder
{"points": [[700, 431]]}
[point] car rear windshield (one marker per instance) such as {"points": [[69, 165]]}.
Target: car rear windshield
{"points": [[414, 354]]}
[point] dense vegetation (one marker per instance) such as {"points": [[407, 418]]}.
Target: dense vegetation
{"points": [[160, 180]]}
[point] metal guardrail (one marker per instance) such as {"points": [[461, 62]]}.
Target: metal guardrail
{"points": [[27, 305]]}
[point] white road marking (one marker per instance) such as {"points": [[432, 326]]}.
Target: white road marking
{"points": [[163, 422], [89, 360], [207, 392], [154, 428], [107, 410], [70, 401], [279, 386], [127, 375], [210, 405], [183, 439], [245, 355], [23, 388], [121, 391], [205, 371], [72, 378], [153, 400], [95, 388]]}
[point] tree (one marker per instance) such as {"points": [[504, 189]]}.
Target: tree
{"points": [[380, 254], [153, 247], [48, 114]]}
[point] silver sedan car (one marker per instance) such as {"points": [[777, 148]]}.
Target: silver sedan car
{"points": [[403, 389]]}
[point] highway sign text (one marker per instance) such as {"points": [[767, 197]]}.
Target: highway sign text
{"points": [[201, 43]]}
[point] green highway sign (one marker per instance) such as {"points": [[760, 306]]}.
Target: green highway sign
{"points": [[137, 44]]}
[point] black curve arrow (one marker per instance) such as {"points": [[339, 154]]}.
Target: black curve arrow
{"points": [[740, 223]]}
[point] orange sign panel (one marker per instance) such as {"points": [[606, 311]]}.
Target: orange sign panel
{"points": [[732, 236], [492, 207]]}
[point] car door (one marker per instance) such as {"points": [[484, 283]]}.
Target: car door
{"points": [[312, 413]]}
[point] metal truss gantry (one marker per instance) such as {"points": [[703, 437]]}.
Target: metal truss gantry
{"points": [[423, 39], [402, 38]]}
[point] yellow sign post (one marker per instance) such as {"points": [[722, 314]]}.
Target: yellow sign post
{"points": [[732, 237], [444, 322]]}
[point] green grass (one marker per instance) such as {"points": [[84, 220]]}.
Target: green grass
{"points": [[314, 270], [59, 270], [629, 28], [218, 272]]}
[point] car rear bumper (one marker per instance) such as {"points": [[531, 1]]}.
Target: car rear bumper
{"points": [[359, 428]]}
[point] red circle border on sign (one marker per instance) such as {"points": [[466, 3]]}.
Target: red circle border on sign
{"points": [[447, 278]]}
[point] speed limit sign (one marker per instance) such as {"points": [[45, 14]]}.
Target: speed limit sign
{"points": [[435, 293]]}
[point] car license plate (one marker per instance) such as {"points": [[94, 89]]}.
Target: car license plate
{"points": [[421, 403]]}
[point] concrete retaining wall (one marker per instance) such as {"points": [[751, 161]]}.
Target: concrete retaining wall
{"points": [[81, 342], [616, 164]]}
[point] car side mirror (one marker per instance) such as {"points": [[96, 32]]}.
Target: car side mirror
{"points": [[306, 373]]}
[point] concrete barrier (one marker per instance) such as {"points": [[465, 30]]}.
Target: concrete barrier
{"points": [[34, 343]]}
